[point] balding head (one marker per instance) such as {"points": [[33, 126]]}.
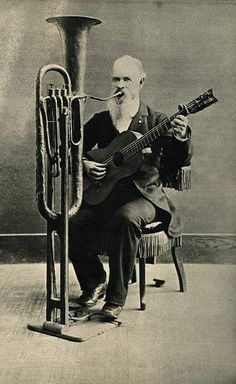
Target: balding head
{"points": [[130, 62]]}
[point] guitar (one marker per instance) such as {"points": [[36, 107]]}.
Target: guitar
{"points": [[123, 156]]}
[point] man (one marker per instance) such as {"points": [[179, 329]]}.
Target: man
{"points": [[134, 201]]}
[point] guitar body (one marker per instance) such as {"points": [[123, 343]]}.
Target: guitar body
{"points": [[94, 192]]}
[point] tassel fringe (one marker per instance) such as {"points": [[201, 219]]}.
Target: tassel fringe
{"points": [[182, 180], [153, 245]]}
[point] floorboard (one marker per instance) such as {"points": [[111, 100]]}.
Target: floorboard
{"points": [[181, 338]]}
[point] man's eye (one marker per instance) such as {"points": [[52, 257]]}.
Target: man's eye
{"points": [[127, 79], [115, 79]]}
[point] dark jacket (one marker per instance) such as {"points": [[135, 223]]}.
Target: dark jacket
{"points": [[168, 155]]}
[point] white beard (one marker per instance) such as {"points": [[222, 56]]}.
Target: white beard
{"points": [[122, 113]]}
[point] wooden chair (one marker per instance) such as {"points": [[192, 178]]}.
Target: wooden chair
{"points": [[154, 241]]}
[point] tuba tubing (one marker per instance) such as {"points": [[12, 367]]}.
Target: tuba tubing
{"points": [[41, 141]]}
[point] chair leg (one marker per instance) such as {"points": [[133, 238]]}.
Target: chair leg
{"points": [[178, 262], [142, 283]]}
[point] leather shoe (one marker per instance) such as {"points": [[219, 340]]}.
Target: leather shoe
{"points": [[111, 310], [90, 297]]}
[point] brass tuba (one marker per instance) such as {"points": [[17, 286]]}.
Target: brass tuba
{"points": [[62, 110], [59, 147]]}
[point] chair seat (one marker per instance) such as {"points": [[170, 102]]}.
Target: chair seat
{"points": [[155, 242]]}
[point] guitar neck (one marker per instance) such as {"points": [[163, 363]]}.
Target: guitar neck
{"points": [[153, 134], [201, 102]]}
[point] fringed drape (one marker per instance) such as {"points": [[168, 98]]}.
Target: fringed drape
{"points": [[180, 181], [153, 245]]}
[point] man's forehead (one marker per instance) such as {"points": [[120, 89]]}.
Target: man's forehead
{"points": [[126, 66]]}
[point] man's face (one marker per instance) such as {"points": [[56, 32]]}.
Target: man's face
{"points": [[126, 76]]}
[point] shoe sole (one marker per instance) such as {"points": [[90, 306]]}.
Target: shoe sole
{"points": [[109, 315]]}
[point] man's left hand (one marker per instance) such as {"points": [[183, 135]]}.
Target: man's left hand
{"points": [[179, 125]]}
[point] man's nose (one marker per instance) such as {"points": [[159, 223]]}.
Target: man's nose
{"points": [[121, 84]]}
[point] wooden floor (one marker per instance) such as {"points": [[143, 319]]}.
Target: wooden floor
{"points": [[180, 338]]}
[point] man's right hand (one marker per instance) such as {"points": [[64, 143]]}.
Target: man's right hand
{"points": [[95, 171]]}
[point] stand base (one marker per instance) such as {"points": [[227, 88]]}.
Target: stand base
{"points": [[92, 325]]}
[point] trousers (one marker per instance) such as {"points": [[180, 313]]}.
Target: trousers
{"points": [[121, 216]]}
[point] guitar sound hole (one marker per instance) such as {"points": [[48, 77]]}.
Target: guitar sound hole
{"points": [[118, 159]]}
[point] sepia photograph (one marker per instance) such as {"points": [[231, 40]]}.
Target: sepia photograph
{"points": [[118, 191]]}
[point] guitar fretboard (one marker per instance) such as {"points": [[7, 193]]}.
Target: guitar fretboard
{"points": [[146, 140], [196, 105]]}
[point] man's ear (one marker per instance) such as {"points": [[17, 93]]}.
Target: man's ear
{"points": [[142, 81]]}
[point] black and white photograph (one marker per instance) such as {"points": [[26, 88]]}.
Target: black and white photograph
{"points": [[118, 191]]}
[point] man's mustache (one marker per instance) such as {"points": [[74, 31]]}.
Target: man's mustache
{"points": [[120, 92], [124, 96]]}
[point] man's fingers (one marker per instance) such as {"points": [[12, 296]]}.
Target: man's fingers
{"points": [[179, 130], [98, 177], [97, 172], [96, 168], [97, 165], [180, 120]]}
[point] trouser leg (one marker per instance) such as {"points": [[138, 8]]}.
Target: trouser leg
{"points": [[83, 249], [124, 235]]}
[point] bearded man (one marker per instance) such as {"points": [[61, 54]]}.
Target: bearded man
{"points": [[135, 201]]}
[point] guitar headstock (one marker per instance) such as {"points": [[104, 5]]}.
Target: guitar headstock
{"points": [[201, 102]]}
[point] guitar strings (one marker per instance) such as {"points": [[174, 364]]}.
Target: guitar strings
{"points": [[130, 147], [135, 144]]}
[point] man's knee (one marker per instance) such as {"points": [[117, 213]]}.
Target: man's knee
{"points": [[125, 218]]}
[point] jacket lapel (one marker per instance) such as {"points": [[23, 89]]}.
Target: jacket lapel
{"points": [[139, 122]]}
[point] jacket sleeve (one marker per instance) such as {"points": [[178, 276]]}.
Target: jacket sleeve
{"points": [[168, 152], [90, 134]]}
